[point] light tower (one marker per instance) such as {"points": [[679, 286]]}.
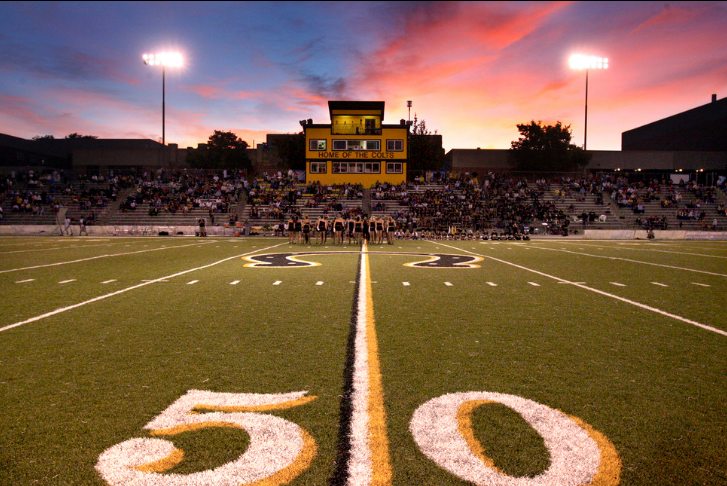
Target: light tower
{"points": [[579, 61], [164, 59]]}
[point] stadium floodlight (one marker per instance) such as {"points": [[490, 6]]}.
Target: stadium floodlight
{"points": [[164, 59], [579, 61]]}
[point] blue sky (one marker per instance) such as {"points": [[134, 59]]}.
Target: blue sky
{"points": [[473, 70]]}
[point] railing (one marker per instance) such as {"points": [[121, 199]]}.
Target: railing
{"points": [[354, 130]]}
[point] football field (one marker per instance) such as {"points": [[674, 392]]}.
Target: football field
{"points": [[231, 361]]}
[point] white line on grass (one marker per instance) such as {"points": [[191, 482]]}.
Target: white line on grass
{"points": [[448, 284], [320, 282], [67, 281], [660, 284], [234, 282], [617, 284], [700, 284], [192, 282], [100, 256], [601, 292], [492, 284], [26, 280], [534, 284], [102, 297], [277, 282], [406, 284], [108, 281], [634, 261], [650, 249]]}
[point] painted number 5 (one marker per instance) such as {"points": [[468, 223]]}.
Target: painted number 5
{"points": [[279, 450]]}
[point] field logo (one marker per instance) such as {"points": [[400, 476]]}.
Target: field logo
{"points": [[579, 455], [279, 450]]}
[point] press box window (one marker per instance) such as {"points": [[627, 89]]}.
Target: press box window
{"points": [[395, 145], [317, 145], [394, 168], [317, 167]]}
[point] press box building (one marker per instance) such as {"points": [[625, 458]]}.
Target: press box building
{"points": [[356, 147]]}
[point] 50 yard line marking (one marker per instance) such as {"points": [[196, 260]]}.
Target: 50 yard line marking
{"points": [[601, 292], [368, 462], [106, 296]]}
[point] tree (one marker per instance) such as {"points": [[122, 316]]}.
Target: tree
{"points": [[224, 150], [547, 148], [291, 150], [44, 137], [78, 135], [425, 148]]}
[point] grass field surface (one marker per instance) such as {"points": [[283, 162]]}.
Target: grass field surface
{"points": [[229, 361]]}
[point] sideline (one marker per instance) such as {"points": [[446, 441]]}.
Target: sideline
{"points": [[601, 292], [631, 261], [96, 299], [105, 256]]}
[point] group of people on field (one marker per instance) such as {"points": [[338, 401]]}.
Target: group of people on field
{"points": [[354, 230]]}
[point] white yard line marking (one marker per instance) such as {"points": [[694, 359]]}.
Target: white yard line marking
{"points": [[534, 284], [617, 284], [660, 284], [651, 249], [192, 282], [67, 281], [102, 297], [100, 256], [26, 280], [368, 461], [108, 281], [700, 284], [278, 282], [606, 294], [634, 261], [448, 284], [492, 284], [234, 282], [406, 284], [320, 282]]}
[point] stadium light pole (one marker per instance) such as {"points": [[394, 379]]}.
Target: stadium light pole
{"points": [[164, 59], [579, 61]]}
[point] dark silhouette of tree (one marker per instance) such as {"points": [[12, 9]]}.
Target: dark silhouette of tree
{"points": [[290, 149], [44, 137], [425, 148], [547, 148], [224, 150], [78, 135]]}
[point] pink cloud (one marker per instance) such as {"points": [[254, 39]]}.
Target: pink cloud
{"points": [[668, 16]]}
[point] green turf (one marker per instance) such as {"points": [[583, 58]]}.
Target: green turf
{"points": [[78, 382]]}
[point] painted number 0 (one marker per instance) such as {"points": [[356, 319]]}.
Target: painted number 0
{"points": [[579, 455], [279, 450]]}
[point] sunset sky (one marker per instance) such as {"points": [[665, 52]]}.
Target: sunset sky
{"points": [[473, 70]]}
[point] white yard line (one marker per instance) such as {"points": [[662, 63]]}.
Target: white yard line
{"points": [[192, 282], [534, 284], [102, 256], [406, 284], [492, 284], [67, 281], [277, 282], [700, 284], [320, 282], [634, 261], [649, 248], [108, 281], [234, 282], [56, 248], [617, 284], [448, 284], [660, 284], [133, 287], [26, 280], [601, 292]]}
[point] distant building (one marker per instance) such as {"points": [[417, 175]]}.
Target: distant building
{"points": [[701, 129], [356, 147]]}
